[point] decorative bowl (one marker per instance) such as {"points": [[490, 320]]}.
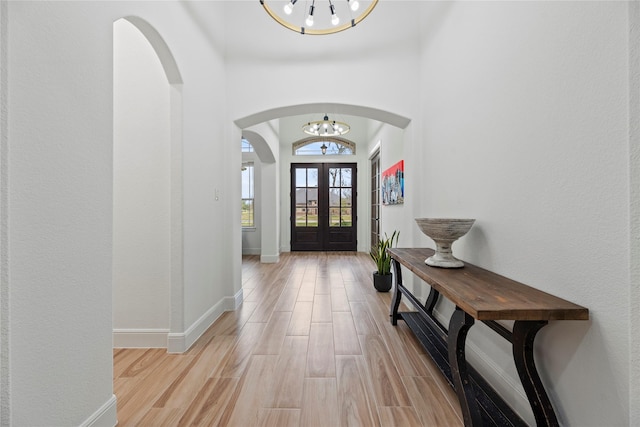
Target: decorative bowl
{"points": [[444, 231]]}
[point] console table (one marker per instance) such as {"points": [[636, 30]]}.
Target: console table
{"points": [[480, 295]]}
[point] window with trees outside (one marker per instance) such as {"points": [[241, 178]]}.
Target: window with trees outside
{"points": [[320, 146], [248, 198]]}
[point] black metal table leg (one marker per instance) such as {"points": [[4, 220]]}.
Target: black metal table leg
{"points": [[397, 295], [432, 299], [458, 327], [524, 333]]}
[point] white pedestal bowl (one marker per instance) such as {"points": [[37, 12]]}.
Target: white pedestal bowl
{"points": [[444, 231]]}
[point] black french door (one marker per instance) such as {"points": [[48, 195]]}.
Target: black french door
{"points": [[323, 207]]}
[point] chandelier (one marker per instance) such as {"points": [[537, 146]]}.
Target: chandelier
{"points": [[327, 17], [326, 127]]}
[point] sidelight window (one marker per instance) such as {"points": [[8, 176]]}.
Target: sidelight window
{"points": [[248, 197]]}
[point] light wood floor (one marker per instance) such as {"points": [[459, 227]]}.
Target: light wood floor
{"points": [[311, 345]]}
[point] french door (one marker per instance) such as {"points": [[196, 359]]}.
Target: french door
{"points": [[323, 207], [375, 200]]}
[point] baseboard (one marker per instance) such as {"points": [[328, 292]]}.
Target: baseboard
{"points": [[269, 259], [180, 342], [250, 251], [105, 416], [238, 297], [140, 338]]}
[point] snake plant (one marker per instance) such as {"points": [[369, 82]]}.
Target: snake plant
{"points": [[379, 253]]}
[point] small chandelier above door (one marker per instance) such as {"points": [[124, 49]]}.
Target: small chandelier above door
{"points": [[326, 127], [318, 17]]}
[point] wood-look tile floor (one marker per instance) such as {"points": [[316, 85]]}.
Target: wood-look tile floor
{"points": [[311, 345]]}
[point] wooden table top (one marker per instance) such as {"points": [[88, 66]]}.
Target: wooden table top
{"points": [[486, 295]]}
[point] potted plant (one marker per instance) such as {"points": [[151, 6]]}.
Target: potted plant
{"points": [[382, 277]]}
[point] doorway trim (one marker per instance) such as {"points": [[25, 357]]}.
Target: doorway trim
{"points": [[374, 207]]}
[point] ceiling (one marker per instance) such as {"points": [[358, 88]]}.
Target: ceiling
{"points": [[252, 33]]}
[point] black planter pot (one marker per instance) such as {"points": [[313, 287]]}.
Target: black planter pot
{"points": [[382, 282]]}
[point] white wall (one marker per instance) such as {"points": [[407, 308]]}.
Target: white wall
{"points": [[60, 197], [634, 212], [391, 140], [524, 125], [210, 161], [4, 287], [141, 192], [60, 203]]}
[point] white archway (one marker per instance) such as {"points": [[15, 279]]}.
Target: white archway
{"points": [[160, 46], [355, 110], [174, 340], [260, 146]]}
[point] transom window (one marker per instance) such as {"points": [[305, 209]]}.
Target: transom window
{"points": [[332, 147]]}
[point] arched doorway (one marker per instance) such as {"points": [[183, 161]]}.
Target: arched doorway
{"points": [[377, 119], [269, 243], [147, 208]]}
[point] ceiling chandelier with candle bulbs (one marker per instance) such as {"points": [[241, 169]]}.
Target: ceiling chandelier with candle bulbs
{"points": [[326, 127], [318, 17]]}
